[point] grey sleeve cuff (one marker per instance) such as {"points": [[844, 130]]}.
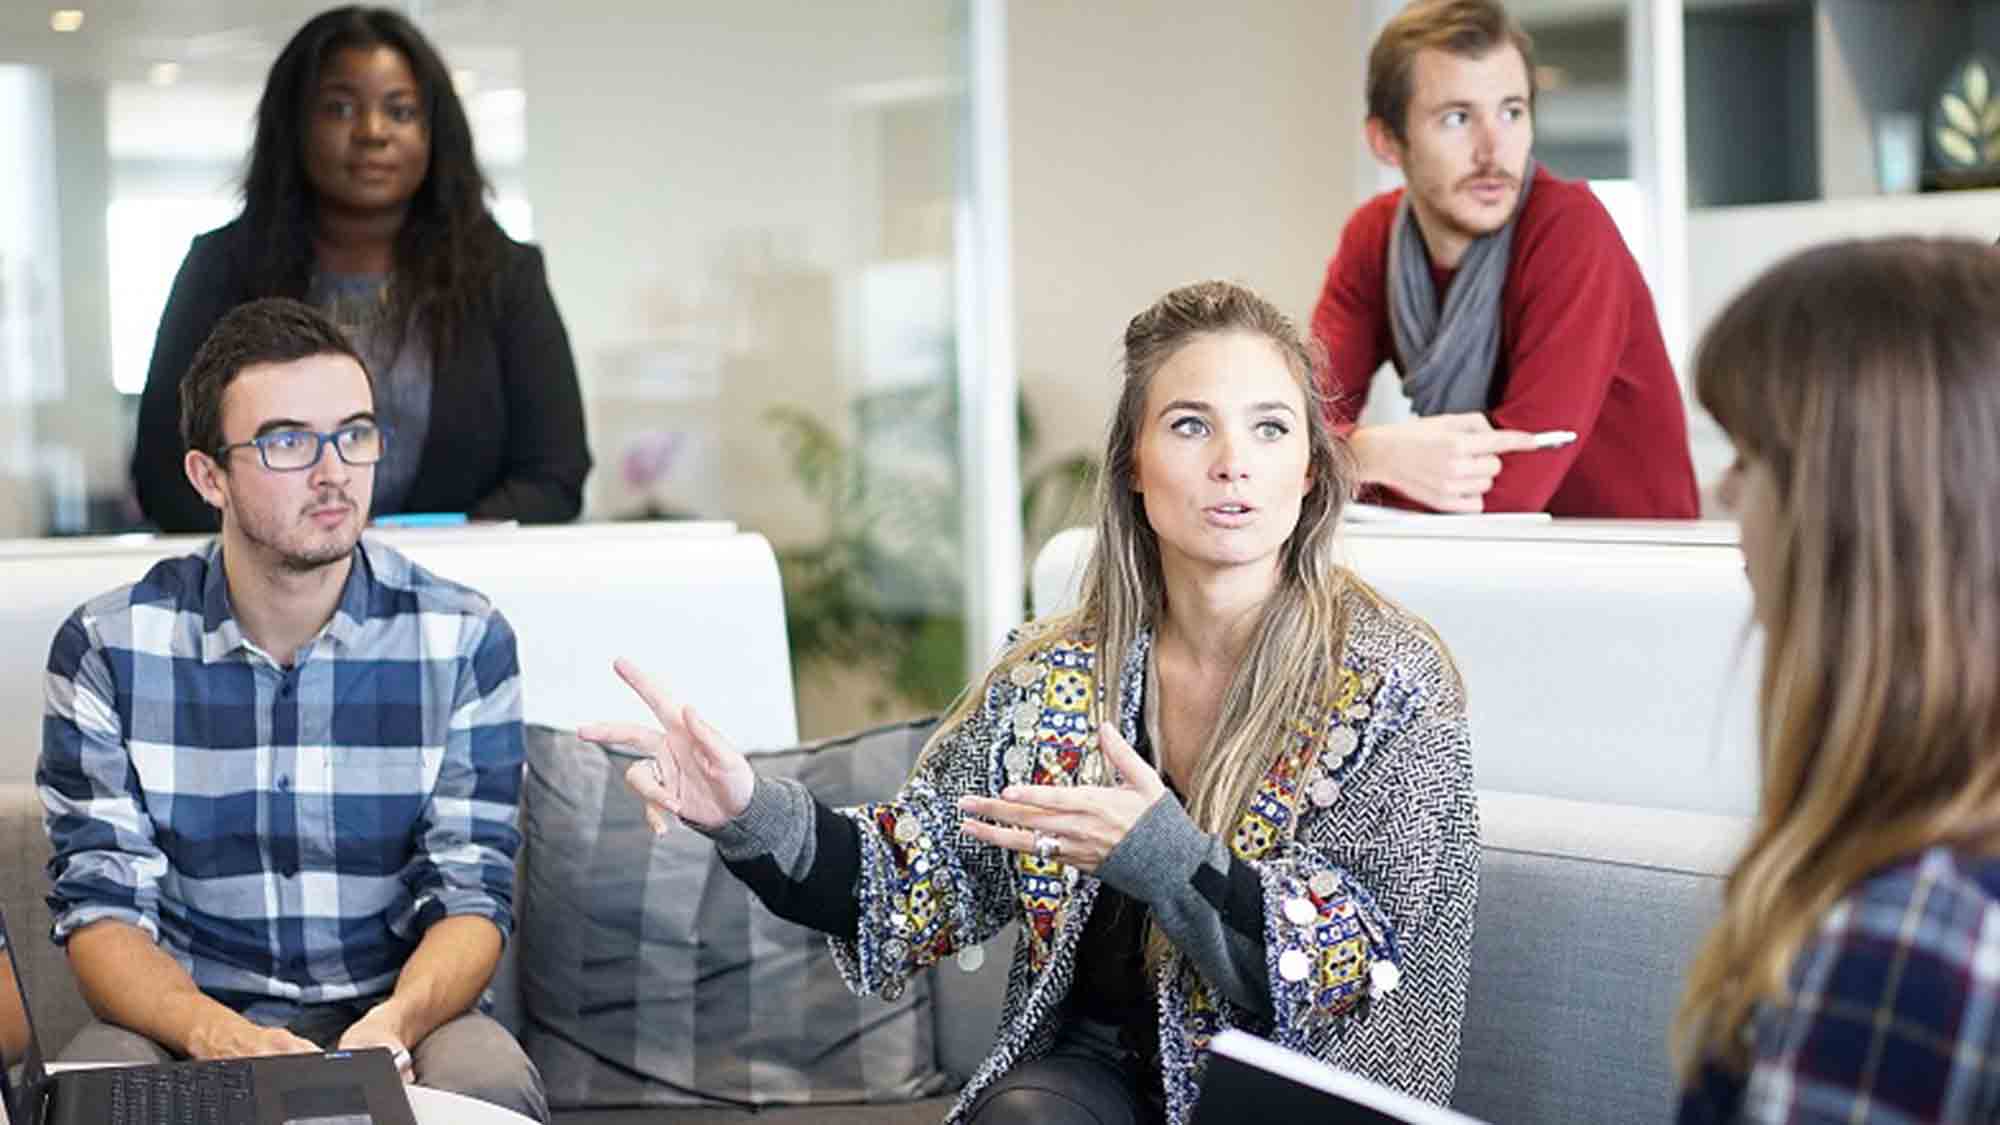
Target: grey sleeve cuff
{"points": [[1157, 859], [1193, 886], [777, 822]]}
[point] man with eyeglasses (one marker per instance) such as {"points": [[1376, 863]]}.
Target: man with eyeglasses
{"points": [[280, 774]]}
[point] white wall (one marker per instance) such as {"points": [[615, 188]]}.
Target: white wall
{"points": [[703, 188], [89, 427], [1728, 247], [1160, 144], [684, 172], [31, 293]]}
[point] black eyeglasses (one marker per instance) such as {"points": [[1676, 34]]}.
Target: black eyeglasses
{"points": [[290, 451]]}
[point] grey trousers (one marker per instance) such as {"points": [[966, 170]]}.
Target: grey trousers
{"points": [[471, 1055]]}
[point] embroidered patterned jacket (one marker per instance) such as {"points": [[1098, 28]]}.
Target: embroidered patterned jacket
{"points": [[1364, 836]]}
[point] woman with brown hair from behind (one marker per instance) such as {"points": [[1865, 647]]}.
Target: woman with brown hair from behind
{"points": [[1855, 972]]}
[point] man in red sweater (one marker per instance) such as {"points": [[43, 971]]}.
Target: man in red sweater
{"points": [[1505, 297]]}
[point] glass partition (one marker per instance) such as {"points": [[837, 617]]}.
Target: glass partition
{"points": [[756, 218]]}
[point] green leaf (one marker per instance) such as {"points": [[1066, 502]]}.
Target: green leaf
{"points": [[1960, 115], [1975, 83], [1958, 149]]}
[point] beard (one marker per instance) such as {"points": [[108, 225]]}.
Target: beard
{"points": [[294, 544]]}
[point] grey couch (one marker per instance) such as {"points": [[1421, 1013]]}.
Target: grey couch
{"points": [[1587, 916]]}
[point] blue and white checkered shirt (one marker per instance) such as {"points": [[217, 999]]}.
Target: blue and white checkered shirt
{"points": [[287, 833]]}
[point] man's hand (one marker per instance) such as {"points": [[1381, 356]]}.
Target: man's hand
{"points": [[132, 983], [1446, 462], [230, 1036], [380, 1028]]}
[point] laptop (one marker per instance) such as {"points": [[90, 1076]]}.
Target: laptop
{"points": [[334, 1088], [1246, 1073]]}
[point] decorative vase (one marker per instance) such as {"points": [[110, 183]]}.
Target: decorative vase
{"points": [[1965, 125]]}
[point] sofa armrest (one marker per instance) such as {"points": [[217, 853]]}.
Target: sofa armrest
{"points": [[58, 1009]]}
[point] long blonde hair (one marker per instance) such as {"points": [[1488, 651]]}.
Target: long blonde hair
{"points": [[1298, 640], [1866, 376]]}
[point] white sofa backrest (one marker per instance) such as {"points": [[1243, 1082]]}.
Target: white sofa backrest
{"points": [[698, 606], [1602, 662]]}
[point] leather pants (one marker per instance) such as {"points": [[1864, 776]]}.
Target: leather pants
{"points": [[1089, 1078]]}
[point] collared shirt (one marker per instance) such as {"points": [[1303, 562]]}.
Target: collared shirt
{"points": [[288, 834], [1893, 1011]]}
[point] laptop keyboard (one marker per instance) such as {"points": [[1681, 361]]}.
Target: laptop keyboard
{"points": [[208, 1093]]}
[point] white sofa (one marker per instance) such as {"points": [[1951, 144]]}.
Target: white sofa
{"points": [[1588, 909], [698, 605], [1603, 661]]}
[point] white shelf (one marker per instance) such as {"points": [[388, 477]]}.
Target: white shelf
{"points": [[1729, 246]]}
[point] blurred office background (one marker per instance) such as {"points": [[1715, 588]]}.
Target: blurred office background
{"points": [[853, 275]]}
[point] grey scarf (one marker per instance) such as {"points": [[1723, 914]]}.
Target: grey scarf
{"points": [[1448, 356]]}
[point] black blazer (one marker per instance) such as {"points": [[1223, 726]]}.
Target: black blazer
{"points": [[506, 426]]}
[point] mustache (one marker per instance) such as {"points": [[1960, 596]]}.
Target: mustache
{"points": [[1493, 173], [326, 497]]}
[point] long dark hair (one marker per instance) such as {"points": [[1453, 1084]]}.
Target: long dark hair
{"points": [[449, 247]]}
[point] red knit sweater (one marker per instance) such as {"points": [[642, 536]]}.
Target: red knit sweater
{"points": [[1580, 349]]}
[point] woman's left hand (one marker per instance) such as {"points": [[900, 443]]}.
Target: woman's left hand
{"points": [[1086, 821]]}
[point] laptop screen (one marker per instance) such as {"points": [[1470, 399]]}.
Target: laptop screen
{"points": [[21, 1074]]}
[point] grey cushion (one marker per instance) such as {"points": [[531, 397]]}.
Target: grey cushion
{"points": [[58, 1008], [1577, 966], [653, 977], [968, 1005]]}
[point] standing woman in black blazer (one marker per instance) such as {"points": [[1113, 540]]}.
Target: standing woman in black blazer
{"points": [[363, 198]]}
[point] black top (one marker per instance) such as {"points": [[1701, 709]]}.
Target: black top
{"points": [[1111, 986], [506, 437]]}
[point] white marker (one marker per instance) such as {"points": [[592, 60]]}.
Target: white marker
{"points": [[1554, 439]]}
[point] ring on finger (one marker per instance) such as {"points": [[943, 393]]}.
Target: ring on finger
{"points": [[1047, 847]]}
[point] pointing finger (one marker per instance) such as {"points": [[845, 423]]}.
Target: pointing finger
{"points": [[660, 703], [1500, 441]]}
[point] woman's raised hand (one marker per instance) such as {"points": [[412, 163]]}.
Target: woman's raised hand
{"points": [[693, 772], [1081, 824]]}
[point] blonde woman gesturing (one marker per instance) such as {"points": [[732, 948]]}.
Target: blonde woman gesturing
{"points": [[1855, 973], [1232, 789]]}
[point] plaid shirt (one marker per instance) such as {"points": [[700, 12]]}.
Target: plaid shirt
{"points": [[287, 833], [1893, 1012]]}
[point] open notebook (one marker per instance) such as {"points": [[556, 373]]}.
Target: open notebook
{"points": [[1246, 1074]]}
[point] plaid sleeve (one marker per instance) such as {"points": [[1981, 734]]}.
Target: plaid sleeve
{"points": [[105, 862], [1891, 1013], [467, 836]]}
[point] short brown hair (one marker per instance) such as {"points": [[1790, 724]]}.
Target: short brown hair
{"points": [[271, 330], [1469, 28]]}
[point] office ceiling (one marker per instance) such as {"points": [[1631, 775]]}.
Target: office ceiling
{"points": [[219, 41]]}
